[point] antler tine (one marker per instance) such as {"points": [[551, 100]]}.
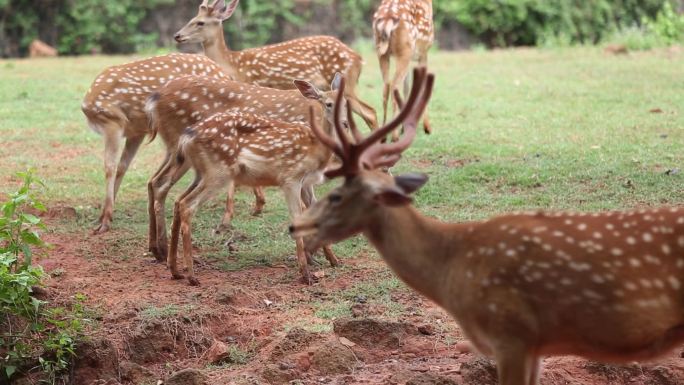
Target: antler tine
{"points": [[387, 154], [322, 136], [418, 77], [352, 124], [341, 134]]}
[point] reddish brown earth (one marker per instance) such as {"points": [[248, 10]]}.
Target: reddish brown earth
{"points": [[247, 310]]}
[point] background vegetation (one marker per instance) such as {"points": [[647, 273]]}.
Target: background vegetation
{"points": [[124, 26]]}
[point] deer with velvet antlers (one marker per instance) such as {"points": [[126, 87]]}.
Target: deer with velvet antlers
{"points": [[402, 29], [316, 58], [606, 286]]}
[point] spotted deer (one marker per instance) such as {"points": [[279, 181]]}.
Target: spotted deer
{"points": [[186, 101], [607, 286], [402, 29], [244, 148], [114, 107], [316, 58]]}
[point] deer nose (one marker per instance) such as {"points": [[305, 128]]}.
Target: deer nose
{"points": [[177, 37], [291, 229]]}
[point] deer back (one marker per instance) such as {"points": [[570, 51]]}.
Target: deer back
{"points": [[572, 273], [119, 92], [414, 15], [188, 100], [253, 149], [316, 58]]}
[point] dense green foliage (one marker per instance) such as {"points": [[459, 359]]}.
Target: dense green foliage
{"points": [[256, 22], [84, 26], [535, 22], [78, 26], [30, 330]]}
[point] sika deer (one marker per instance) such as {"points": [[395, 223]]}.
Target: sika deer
{"points": [[316, 58], [606, 286], [248, 149], [186, 101], [403, 29], [114, 108]]}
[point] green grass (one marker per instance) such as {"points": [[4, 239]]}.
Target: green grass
{"points": [[519, 129]]}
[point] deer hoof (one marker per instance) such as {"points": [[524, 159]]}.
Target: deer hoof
{"points": [[177, 276], [307, 279], [223, 228], [334, 262], [101, 228]]}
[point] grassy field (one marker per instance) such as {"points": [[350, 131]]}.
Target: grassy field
{"points": [[522, 129]]}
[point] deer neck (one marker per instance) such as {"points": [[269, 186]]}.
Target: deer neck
{"points": [[419, 249], [217, 50]]}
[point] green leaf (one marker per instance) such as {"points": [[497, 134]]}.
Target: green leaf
{"points": [[10, 370], [29, 218]]}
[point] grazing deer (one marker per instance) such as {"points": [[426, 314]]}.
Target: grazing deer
{"points": [[403, 29], [186, 101], [316, 58], [606, 286], [231, 148], [114, 107]]}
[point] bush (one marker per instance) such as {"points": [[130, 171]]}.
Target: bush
{"points": [[665, 30], [258, 22], [81, 26], [537, 22]]}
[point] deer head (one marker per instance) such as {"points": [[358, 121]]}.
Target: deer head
{"points": [[207, 23], [327, 99], [347, 209]]}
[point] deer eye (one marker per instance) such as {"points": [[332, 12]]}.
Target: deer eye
{"points": [[335, 198], [200, 24]]}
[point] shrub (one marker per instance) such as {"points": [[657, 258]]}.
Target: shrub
{"points": [[537, 22], [30, 331]]}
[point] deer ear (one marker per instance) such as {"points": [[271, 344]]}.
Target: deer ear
{"points": [[227, 11], [308, 90], [410, 183], [392, 196], [337, 82]]}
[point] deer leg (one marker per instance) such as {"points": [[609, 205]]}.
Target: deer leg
{"points": [[403, 62], [175, 231], [309, 198], [230, 210], [423, 62], [153, 246], [259, 201], [516, 364], [161, 185], [112, 136], [130, 149], [364, 110], [293, 193], [384, 68]]}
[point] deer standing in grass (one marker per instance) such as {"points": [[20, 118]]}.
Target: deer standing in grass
{"points": [[606, 286], [316, 59], [186, 101], [231, 148], [114, 107], [403, 29]]}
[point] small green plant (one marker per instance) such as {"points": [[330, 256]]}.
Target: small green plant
{"points": [[30, 328]]}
